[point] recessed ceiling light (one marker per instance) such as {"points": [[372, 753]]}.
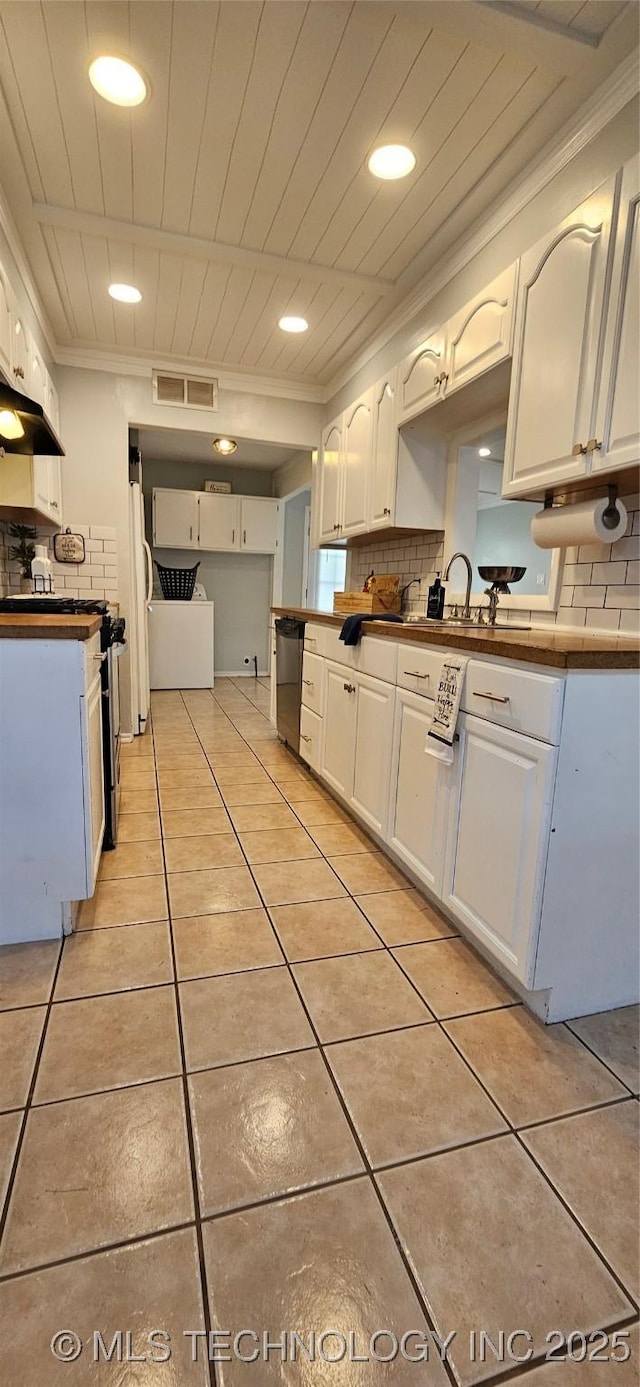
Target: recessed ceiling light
{"points": [[484, 452], [392, 161], [125, 293], [225, 445], [293, 324], [117, 81], [10, 425]]}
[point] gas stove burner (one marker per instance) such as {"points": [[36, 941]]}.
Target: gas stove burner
{"points": [[64, 606]]}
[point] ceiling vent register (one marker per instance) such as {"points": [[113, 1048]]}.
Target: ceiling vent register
{"points": [[192, 392]]}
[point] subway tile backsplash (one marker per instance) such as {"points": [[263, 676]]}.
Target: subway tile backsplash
{"points": [[97, 577], [600, 582]]}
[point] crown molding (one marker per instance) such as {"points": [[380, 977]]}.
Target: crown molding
{"points": [[593, 116], [90, 358]]}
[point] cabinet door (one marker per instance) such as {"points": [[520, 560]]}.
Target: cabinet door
{"points": [[175, 519], [617, 427], [19, 354], [310, 737], [54, 487], [41, 479], [52, 403], [356, 462], [259, 524], [421, 377], [5, 326], [219, 522], [331, 482], [373, 744], [421, 789], [36, 384], [93, 780], [338, 733], [498, 839], [557, 338], [384, 458], [480, 335]]}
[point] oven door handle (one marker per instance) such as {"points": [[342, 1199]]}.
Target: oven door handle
{"points": [[149, 571]]}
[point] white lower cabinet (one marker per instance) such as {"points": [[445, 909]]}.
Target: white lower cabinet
{"points": [[357, 741], [93, 778], [497, 840], [310, 737], [421, 793]]}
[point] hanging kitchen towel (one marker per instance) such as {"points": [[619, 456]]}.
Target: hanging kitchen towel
{"points": [[440, 737], [351, 629]]}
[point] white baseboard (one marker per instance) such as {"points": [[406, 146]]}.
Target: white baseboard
{"points": [[240, 674]]}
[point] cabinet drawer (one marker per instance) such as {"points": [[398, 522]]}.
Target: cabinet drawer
{"points": [[314, 638], [375, 657], [92, 659], [519, 699], [419, 668], [310, 729], [313, 682]]}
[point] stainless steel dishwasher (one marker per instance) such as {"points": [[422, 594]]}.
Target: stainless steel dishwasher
{"points": [[289, 649]]}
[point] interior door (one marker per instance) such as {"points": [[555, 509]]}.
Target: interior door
{"points": [[556, 347], [421, 788], [339, 726], [259, 524], [175, 519], [384, 460], [498, 839], [356, 462], [372, 762], [330, 482], [219, 523]]}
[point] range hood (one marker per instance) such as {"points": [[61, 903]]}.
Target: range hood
{"points": [[23, 426]]}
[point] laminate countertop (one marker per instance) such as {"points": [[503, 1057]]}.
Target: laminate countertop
{"points": [[539, 646], [16, 627]]}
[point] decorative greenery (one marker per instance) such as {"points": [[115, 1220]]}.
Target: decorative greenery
{"points": [[25, 550]]}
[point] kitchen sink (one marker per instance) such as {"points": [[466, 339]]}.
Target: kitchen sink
{"points": [[456, 622]]}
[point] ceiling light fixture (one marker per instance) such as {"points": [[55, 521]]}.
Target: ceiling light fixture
{"points": [[484, 452], [10, 426], [293, 324], [117, 81], [392, 161], [225, 446], [125, 293]]}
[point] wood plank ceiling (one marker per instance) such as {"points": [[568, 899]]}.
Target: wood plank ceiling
{"points": [[239, 191]]}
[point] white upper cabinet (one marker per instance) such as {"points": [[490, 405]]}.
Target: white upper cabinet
{"points": [[480, 336], [36, 384], [19, 354], [219, 521], [258, 524], [384, 457], [357, 443], [330, 479], [5, 326], [421, 377], [617, 428], [557, 337], [51, 402], [175, 519]]}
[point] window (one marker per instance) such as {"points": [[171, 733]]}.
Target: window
{"points": [[330, 571]]}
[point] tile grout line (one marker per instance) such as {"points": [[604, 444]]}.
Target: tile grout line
{"points": [[510, 1126], [204, 1290]]}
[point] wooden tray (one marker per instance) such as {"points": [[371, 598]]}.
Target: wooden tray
{"points": [[371, 603]]}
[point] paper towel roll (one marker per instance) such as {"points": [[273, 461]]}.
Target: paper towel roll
{"points": [[583, 523]]}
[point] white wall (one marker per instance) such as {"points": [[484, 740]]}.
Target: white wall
{"points": [[96, 410], [293, 474]]}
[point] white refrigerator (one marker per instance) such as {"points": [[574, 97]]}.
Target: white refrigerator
{"points": [[141, 594]]}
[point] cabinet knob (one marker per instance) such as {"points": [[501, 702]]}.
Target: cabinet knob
{"points": [[578, 450], [244, 536], [593, 446], [349, 688], [386, 511]]}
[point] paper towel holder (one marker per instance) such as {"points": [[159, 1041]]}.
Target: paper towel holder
{"points": [[610, 516]]}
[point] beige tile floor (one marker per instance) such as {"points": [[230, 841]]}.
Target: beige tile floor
{"points": [[266, 1086]]}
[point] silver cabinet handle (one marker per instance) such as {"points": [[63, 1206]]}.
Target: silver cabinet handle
{"points": [[386, 511], [593, 446], [100, 658], [349, 688], [233, 536], [244, 536], [309, 683], [191, 532], [310, 640], [305, 739], [578, 449], [417, 675], [495, 698]]}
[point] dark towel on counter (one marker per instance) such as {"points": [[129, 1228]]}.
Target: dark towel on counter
{"points": [[352, 627]]}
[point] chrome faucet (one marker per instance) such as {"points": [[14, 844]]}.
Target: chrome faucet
{"points": [[466, 611]]}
